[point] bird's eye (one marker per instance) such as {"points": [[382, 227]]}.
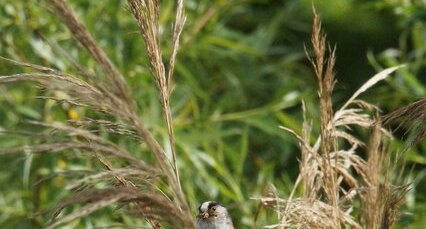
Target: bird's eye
{"points": [[213, 208]]}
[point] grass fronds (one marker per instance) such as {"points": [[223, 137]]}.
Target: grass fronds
{"points": [[306, 213], [380, 199], [108, 93], [345, 180], [324, 70], [148, 204], [333, 173], [147, 14], [115, 80], [411, 118]]}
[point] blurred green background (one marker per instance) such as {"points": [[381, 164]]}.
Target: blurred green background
{"points": [[241, 72]]}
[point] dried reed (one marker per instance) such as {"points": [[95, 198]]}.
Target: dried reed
{"points": [[109, 93], [332, 173], [412, 118], [332, 176]]}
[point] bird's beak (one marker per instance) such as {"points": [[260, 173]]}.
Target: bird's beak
{"points": [[203, 215]]}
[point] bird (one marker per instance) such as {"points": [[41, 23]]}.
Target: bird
{"points": [[213, 215]]}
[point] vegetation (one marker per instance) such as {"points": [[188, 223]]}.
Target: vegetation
{"points": [[130, 114]]}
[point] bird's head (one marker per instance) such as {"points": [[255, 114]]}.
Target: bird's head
{"points": [[210, 210]]}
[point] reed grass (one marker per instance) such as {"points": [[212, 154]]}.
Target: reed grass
{"points": [[411, 118], [333, 174], [109, 93]]}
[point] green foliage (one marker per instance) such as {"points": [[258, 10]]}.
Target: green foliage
{"points": [[241, 72]]}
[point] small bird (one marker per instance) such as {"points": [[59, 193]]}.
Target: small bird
{"points": [[213, 215]]}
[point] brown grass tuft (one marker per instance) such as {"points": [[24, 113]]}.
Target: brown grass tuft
{"points": [[147, 14], [109, 93], [332, 173], [412, 118]]}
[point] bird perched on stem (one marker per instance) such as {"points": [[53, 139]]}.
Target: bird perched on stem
{"points": [[213, 215]]}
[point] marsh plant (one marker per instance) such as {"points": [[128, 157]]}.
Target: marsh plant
{"points": [[132, 183], [340, 186], [346, 181]]}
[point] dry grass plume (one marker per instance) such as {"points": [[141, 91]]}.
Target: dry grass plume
{"points": [[333, 172]]}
